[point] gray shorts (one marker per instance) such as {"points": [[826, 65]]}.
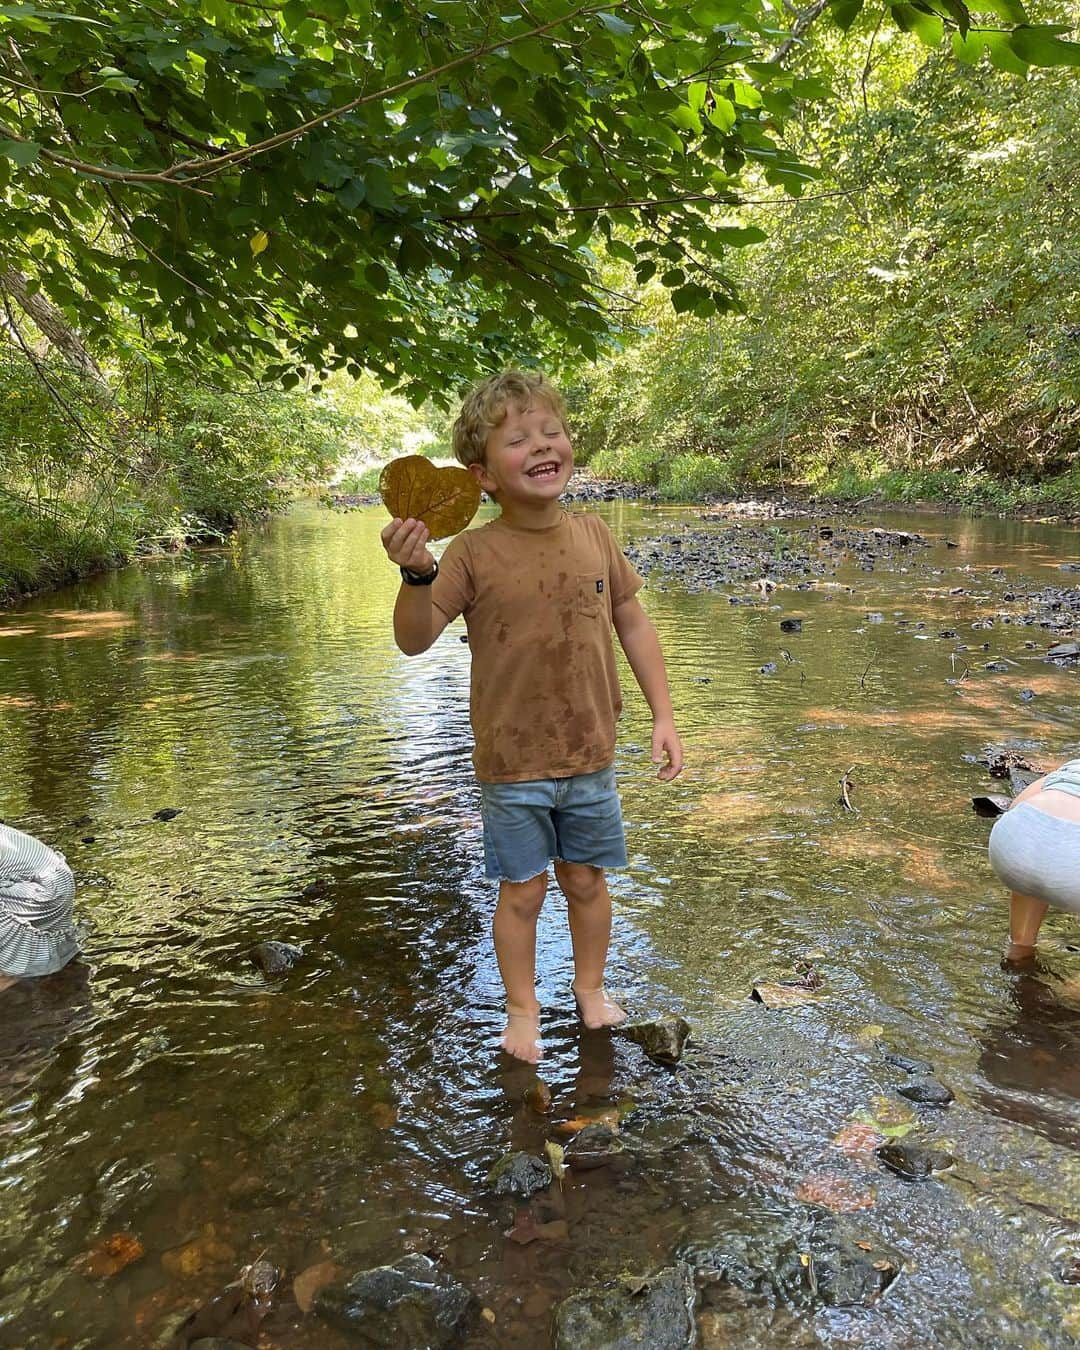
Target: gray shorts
{"points": [[1038, 855], [528, 825]]}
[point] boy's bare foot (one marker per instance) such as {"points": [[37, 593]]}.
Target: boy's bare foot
{"points": [[6, 981], [522, 1035], [596, 1009], [1019, 952]]}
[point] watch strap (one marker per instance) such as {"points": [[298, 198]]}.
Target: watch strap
{"points": [[419, 578]]}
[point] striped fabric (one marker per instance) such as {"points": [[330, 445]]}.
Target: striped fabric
{"points": [[37, 893]]}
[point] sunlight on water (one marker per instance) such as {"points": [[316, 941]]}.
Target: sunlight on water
{"points": [[165, 1089]]}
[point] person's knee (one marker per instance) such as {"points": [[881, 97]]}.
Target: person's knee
{"points": [[581, 883], [524, 899]]}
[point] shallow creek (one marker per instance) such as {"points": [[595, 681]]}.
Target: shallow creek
{"points": [[166, 1094]]}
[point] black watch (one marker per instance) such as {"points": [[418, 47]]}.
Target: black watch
{"points": [[419, 578]]}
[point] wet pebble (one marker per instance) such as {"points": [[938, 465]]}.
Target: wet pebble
{"points": [[521, 1174], [791, 625], [662, 1040], [927, 1092], [275, 958], [991, 806], [1069, 1271], [411, 1303], [912, 1161], [847, 1276], [908, 1065], [594, 1146], [651, 1311], [167, 813], [769, 668]]}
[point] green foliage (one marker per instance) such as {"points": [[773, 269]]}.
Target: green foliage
{"points": [[919, 316], [421, 193], [105, 478], [690, 477]]}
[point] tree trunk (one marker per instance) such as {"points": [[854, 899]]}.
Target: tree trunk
{"points": [[52, 325]]}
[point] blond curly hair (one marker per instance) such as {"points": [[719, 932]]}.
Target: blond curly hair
{"points": [[484, 408]]}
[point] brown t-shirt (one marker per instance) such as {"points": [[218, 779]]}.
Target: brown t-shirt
{"points": [[537, 605]]}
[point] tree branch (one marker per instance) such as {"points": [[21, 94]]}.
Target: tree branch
{"points": [[190, 171]]}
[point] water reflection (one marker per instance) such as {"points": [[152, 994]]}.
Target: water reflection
{"points": [[1030, 1059], [351, 1110]]}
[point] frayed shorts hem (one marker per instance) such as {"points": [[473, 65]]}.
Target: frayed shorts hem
{"points": [[530, 825], [514, 881]]}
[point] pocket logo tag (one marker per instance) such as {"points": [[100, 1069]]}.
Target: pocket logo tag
{"points": [[599, 588]]}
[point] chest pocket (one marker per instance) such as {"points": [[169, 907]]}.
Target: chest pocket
{"points": [[592, 596]]}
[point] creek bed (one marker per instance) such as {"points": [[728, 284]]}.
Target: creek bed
{"points": [[230, 751]]}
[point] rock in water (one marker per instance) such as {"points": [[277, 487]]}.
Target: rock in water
{"points": [[275, 958], [409, 1304], [662, 1040], [912, 1162], [927, 1091], [990, 806], [847, 1275], [653, 1312], [594, 1146], [520, 1174], [899, 1061]]}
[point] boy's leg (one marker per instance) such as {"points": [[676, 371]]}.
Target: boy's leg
{"points": [[1025, 919], [6, 981], [589, 911], [514, 928]]}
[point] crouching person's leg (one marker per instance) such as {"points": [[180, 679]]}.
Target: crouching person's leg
{"points": [[1025, 919]]}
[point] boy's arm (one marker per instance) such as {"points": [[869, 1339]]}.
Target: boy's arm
{"points": [[642, 647], [417, 622]]}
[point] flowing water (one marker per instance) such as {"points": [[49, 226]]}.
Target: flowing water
{"points": [[163, 1100]]}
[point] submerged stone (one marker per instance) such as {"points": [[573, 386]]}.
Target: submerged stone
{"points": [[847, 1275], [594, 1146], [653, 1312], [410, 1304], [927, 1091], [912, 1161], [275, 958], [662, 1040], [521, 1174], [908, 1065]]}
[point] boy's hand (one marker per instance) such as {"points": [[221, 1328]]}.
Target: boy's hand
{"points": [[405, 542], [667, 750]]}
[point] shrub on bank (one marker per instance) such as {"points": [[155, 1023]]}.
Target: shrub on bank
{"points": [[94, 476]]}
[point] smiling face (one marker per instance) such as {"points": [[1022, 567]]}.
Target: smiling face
{"points": [[528, 459]]}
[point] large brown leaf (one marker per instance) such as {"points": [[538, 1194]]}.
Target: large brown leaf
{"points": [[444, 499]]}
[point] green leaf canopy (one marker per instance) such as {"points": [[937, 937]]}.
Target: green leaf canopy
{"points": [[401, 187]]}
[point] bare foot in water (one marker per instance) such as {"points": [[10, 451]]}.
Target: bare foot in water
{"points": [[522, 1035], [596, 1009]]}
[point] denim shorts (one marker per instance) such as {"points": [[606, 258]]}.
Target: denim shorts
{"points": [[526, 825]]}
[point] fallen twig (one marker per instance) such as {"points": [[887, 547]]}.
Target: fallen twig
{"points": [[845, 792]]}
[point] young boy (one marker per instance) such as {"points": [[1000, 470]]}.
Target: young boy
{"points": [[540, 590]]}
